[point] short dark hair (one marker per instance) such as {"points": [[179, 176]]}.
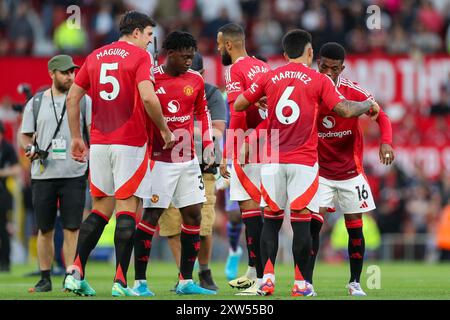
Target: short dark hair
{"points": [[132, 20], [295, 41], [178, 40], [232, 30], [332, 50]]}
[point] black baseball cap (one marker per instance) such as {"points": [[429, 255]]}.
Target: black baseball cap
{"points": [[197, 62]]}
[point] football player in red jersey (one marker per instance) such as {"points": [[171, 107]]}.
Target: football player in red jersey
{"points": [[118, 77], [244, 180], [182, 95], [342, 182], [291, 172]]}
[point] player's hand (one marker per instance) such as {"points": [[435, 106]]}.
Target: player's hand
{"points": [[224, 169], [209, 156], [262, 103], [374, 111], [78, 150], [386, 154], [169, 139]]}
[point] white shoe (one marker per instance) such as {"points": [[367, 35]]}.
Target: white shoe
{"points": [[310, 286], [250, 291], [354, 289]]}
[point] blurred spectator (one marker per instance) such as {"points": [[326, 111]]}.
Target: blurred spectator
{"points": [[357, 41], [430, 17], [399, 41], [442, 106], [9, 167], [390, 212], [213, 9], [20, 32], [425, 40], [443, 234], [103, 22], [267, 34], [7, 114], [425, 22], [148, 6]]}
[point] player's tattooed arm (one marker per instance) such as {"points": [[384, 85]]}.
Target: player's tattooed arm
{"points": [[349, 109]]}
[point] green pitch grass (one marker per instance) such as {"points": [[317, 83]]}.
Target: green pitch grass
{"points": [[398, 281]]}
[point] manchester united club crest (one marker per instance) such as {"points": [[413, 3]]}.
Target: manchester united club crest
{"points": [[188, 91], [155, 198]]}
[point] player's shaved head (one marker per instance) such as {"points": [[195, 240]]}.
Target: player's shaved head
{"points": [[295, 41], [232, 32], [332, 50]]}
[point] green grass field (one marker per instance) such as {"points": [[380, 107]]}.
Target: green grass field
{"points": [[397, 281]]}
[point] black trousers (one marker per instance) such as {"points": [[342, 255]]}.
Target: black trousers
{"points": [[5, 242]]}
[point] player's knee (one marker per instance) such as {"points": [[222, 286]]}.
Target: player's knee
{"points": [[152, 216], [46, 231], [125, 227]]}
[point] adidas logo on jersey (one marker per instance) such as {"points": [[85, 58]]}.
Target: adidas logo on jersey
{"points": [[364, 205], [161, 91]]}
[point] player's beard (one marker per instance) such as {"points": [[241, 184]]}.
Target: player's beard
{"points": [[226, 59]]}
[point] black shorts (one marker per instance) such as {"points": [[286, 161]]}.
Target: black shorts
{"points": [[71, 193]]}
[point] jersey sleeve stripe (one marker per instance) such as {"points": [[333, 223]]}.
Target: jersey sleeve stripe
{"points": [[350, 84]]}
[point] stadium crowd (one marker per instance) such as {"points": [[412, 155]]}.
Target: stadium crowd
{"points": [[407, 203], [30, 27]]}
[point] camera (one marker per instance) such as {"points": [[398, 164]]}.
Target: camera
{"points": [[42, 154]]}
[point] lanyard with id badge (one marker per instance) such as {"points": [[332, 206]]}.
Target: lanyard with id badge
{"points": [[58, 145]]}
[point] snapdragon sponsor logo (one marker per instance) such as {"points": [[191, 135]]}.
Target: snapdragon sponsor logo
{"points": [[173, 106], [337, 134], [328, 122], [181, 119]]}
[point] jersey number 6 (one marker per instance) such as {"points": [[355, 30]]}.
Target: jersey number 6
{"points": [[287, 116]]}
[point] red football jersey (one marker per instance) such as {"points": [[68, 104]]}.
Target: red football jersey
{"points": [[181, 98], [241, 74], [112, 74], [341, 139], [294, 92]]}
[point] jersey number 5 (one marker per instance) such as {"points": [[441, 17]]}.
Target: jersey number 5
{"points": [[104, 79], [287, 111]]}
